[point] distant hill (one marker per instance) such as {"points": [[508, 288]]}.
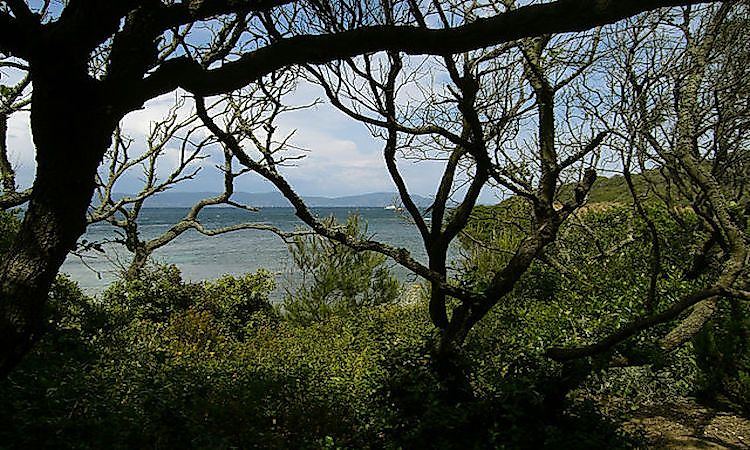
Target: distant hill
{"points": [[612, 189], [615, 190], [274, 199]]}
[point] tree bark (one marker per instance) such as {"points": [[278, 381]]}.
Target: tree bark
{"points": [[137, 264], [72, 130]]}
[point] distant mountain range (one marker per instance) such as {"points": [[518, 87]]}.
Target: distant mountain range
{"points": [[275, 199]]}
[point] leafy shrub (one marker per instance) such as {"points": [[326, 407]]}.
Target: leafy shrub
{"points": [[598, 265], [238, 301], [722, 351], [164, 363], [155, 295], [490, 238], [188, 379], [148, 368], [50, 386], [332, 278], [592, 281], [160, 293]]}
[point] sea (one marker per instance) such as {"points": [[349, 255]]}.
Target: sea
{"points": [[202, 257]]}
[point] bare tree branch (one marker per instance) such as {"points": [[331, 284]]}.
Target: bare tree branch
{"points": [[606, 344], [533, 20]]}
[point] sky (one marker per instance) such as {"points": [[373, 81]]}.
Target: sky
{"points": [[343, 158]]}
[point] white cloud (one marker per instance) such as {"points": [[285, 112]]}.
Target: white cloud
{"points": [[343, 158], [138, 123], [21, 148]]}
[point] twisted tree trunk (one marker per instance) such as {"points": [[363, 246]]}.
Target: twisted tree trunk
{"points": [[71, 130]]}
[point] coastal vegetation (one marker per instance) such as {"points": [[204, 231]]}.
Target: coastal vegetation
{"points": [[572, 296], [160, 362]]}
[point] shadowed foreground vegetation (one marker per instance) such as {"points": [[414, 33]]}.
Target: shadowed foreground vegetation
{"points": [[157, 362], [113, 377]]}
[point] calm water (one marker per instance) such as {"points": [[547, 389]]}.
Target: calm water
{"points": [[201, 257]]}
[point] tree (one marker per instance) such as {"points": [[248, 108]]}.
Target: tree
{"points": [[91, 63], [682, 102], [471, 125], [262, 104], [698, 147], [330, 277]]}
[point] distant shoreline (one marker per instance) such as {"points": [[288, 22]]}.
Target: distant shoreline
{"points": [[272, 207], [277, 200]]}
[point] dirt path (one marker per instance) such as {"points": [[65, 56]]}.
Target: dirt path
{"points": [[688, 425]]}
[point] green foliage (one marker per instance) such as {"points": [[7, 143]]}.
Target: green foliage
{"points": [[238, 301], [159, 362], [599, 264], [187, 380], [118, 374], [490, 238], [73, 313], [51, 384], [155, 295], [108, 377], [614, 189], [158, 295], [723, 354], [333, 278], [592, 281], [6, 91]]}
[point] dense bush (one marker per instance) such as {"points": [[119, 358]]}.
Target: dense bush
{"points": [[154, 296], [723, 354], [109, 376], [160, 362], [331, 278], [114, 372], [592, 281]]}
